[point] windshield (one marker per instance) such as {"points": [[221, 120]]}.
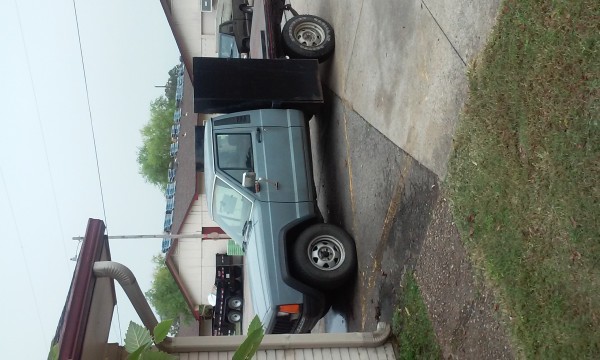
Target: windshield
{"points": [[231, 210], [227, 47]]}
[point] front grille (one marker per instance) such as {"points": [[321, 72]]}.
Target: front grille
{"points": [[284, 324]]}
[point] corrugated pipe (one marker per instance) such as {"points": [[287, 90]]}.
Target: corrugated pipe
{"points": [[185, 344], [130, 286]]}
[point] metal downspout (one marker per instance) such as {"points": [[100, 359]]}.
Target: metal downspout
{"points": [[127, 280], [184, 344]]}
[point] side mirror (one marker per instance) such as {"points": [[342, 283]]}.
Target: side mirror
{"points": [[248, 179]]}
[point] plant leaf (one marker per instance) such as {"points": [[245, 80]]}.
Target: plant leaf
{"points": [[136, 337], [54, 352], [137, 354], [248, 348], [255, 324], [161, 330]]}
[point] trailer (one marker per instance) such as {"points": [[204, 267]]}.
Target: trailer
{"points": [[277, 68], [229, 305]]}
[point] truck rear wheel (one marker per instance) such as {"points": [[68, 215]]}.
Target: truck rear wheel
{"points": [[308, 37], [324, 256]]}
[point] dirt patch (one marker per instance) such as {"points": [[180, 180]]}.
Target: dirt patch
{"points": [[464, 314]]}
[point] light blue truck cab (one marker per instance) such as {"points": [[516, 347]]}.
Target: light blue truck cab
{"points": [[260, 190]]}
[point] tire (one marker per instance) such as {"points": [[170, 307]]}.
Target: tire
{"points": [[235, 302], [308, 37], [234, 317], [324, 256]]}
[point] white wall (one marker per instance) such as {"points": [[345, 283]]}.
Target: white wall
{"points": [[195, 258], [198, 28]]}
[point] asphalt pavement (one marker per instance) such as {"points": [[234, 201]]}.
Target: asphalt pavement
{"points": [[396, 85]]}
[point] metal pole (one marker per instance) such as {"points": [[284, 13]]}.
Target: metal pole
{"points": [[165, 236]]}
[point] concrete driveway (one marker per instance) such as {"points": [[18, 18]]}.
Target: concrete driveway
{"points": [[401, 65], [397, 84]]}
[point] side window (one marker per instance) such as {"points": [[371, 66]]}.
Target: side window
{"points": [[231, 209], [234, 154]]}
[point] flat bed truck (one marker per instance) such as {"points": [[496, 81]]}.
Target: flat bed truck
{"points": [[258, 166]]}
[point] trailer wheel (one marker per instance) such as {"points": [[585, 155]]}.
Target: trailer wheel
{"points": [[324, 256], [234, 317], [235, 302], [308, 37]]}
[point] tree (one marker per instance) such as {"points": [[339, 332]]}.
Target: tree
{"points": [[153, 155], [165, 296], [171, 85]]}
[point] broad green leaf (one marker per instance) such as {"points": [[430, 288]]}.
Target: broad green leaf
{"points": [[138, 353], [248, 348], [54, 352], [136, 337], [161, 330], [255, 324]]}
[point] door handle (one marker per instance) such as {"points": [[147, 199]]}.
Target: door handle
{"points": [[258, 135]]}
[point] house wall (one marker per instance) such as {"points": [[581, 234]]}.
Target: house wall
{"points": [[195, 258], [383, 352], [197, 28]]}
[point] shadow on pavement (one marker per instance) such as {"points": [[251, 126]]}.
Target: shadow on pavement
{"points": [[381, 196]]}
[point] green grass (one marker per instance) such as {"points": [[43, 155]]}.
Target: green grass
{"points": [[524, 177], [411, 326]]}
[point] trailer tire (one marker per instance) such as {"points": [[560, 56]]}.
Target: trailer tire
{"points": [[235, 303], [308, 37], [234, 317]]}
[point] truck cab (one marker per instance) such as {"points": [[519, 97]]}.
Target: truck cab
{"points": [[260, 190]]}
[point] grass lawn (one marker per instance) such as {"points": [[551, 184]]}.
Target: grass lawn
{"points": [[524, 177], [411, 325]]}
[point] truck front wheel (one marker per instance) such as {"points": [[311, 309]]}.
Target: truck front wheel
{"points": [[324, 256], [308, 37]]}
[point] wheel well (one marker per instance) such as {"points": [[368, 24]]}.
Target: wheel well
{"points": [[287, 235]]}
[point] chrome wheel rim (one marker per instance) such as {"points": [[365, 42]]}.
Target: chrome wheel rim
{"points": [[236, 303], [326, 253], [309, 34]]}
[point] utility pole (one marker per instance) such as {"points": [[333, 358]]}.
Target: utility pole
{"points": [[165, 236]]}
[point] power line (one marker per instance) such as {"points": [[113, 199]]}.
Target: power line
{"points": [[45, 146], [87, 95], [27, 271]]}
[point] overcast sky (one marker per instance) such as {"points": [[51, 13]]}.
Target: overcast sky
{"points": [[48, 177]]}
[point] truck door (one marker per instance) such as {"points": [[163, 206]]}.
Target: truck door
{"points": [[272, 147], [281, 166]]}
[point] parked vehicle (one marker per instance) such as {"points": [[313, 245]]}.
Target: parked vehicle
{"points": [[256, 31], [235, 21], [260, 190], [229, 296]]}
